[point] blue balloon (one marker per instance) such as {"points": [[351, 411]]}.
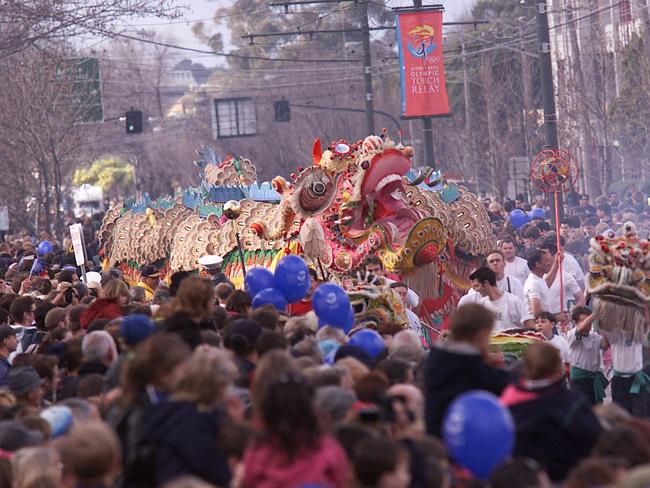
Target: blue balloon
{"points": [[518, 218], [44, 248], [368, 340], [331, 304], [537, 213], [257, 279], [345, 327], [270, 296], [292, 278], [479, 432], [349, 322]]}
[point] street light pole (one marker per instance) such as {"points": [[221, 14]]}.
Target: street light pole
{"points": [[548, 94]]}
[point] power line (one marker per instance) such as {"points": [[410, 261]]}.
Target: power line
{"points": [[228, 55]]}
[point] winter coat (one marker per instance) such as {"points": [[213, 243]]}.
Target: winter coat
{"points": [[555, 426], [102, 308], [452, 369], [266, 466], [186, 443], [179, 323]]}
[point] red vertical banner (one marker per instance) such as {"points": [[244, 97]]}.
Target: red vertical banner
{"points": [[422, 65]]}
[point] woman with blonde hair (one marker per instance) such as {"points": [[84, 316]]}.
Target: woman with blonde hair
{"points": [[193, 305], [185, 429], [114, 296]]}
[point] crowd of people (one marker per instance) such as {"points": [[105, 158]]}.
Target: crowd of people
{"points": [[179, 382]]}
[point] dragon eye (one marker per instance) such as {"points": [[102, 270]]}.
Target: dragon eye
{"points": [[318, 188]]}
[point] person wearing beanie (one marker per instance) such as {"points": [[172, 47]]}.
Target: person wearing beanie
{"points": [[240, 337], [25, 384], [133, 330]]}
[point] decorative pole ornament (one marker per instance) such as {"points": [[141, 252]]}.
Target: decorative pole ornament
{"points": [[555, 171], [232, 210]]}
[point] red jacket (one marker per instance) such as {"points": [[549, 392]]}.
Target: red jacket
{"points": [[266, 467], [102, 308]]}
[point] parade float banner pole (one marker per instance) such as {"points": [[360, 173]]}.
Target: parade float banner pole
{"points": [[555, 171], [560, 264]]}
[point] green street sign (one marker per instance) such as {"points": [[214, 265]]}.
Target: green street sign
{"points": [[86, 90]]}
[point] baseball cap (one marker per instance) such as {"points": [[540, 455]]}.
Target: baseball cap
{"points": [[15, 436], [23, 380], [6, 331], [149, 272], [136, 328]]}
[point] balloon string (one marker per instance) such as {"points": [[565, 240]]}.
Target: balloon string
{"points": [[559, 249]]}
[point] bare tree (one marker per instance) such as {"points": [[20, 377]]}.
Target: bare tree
{"points": [[41, 115], [30, 22]]}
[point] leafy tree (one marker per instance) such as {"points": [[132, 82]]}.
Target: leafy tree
{"points": [[112, 174]]}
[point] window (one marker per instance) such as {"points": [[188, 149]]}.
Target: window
{"points": [[235, 117]]}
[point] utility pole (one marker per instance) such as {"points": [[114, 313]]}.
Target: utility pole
{"points": [[367, 69], [548, 95], [427, 126]]}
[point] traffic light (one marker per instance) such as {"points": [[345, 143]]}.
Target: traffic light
{"points": [[134, 122], [282, 111]]}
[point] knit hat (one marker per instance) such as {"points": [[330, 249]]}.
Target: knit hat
{"points": [[60, 419], [23, 380], [15, 436], [136, 328], [242, 335]]}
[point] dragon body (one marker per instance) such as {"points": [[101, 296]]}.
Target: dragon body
{"points": [[352, 201]]}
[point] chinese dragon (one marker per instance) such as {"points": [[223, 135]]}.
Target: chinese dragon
{"points": [[353, 200]]}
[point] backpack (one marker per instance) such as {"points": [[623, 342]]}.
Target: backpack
{"points": [[30, 340]]}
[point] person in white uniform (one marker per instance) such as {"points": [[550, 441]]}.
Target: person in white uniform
{"points": [[543, 270], [545, 323], [515, 266], [573, 294], [629, 384], [414, 321], [497, 263], [585, 357], [508, 308]]}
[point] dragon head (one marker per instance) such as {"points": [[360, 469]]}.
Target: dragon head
{"points": [[378, 197]]}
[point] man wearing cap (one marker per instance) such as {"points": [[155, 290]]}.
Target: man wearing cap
{"points": [[25, 384], [8, 344], [149, 280], [212, 266]]}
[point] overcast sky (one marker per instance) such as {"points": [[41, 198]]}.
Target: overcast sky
{"points": [[181, 32]]}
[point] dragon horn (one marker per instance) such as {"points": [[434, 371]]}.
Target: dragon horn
{"points": [[423, 176], [316, 151]]}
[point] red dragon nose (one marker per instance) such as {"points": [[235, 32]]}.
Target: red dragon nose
{"points": [[426, 255]]}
